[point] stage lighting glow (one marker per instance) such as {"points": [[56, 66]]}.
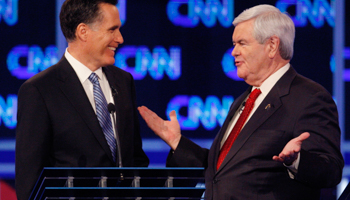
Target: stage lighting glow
{"points": [[229, 67], [198, 10], [36, 60], [157, 63], [315, 12], [210, 112], [8, 111], [122, 10], [9, 11], [346, 72]]}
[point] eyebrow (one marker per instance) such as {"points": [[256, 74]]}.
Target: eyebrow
{"points": [[239, 41], [114, 27]]}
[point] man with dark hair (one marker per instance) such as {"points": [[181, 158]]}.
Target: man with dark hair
{"points": [[281, 138], [63, 119]]}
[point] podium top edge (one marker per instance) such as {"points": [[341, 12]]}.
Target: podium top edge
{"points": [[126, 188], [124, 171], [123, 168]]}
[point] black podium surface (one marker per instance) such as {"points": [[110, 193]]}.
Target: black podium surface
{"points": [[119, 183]]}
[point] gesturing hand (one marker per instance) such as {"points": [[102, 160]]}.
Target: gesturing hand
{"points": [[290, 152], [169, 131]]}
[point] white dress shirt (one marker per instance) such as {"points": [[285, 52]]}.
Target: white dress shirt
{"points": [[83, 74]]}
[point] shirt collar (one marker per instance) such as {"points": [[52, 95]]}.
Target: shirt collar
{"points": [[268, 84], [80, 69]]}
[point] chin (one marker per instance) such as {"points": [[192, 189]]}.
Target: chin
{"points": [[240, 75], [110, 61]]}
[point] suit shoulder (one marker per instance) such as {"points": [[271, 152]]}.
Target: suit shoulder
{"points": [[307, 84], [45, 77], [118, 71]]}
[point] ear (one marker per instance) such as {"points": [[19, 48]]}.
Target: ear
{"points": [[81, 32], [273, 46]]}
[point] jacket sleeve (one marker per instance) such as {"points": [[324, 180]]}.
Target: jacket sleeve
{"points": [[321, 161], [187, 154], [33, 139]]}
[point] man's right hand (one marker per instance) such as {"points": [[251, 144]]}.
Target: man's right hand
{"points": [[169, 131]]}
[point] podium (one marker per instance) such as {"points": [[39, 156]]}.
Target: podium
{"points": [[119, 183], [345, 195]]}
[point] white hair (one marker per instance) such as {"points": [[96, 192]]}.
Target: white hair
{"points": [[270, 21]]}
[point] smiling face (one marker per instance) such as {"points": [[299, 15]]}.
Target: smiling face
{"points": [[103, 38], [251, 58]]}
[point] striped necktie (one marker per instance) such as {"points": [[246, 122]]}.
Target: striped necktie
{"points": [[102, 113]]}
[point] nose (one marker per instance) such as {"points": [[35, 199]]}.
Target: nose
{"points": [[119, 38], [235, 51]]}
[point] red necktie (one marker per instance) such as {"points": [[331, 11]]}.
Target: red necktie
{"points": [[238, 126]]}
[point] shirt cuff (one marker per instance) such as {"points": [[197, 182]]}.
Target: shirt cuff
{"points": [[293, 168]]}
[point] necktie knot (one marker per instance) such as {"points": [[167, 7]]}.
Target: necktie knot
{"points": [[93, 78], [254, 94]]}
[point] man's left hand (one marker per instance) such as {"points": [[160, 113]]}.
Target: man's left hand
{"points": [[290, 152]]}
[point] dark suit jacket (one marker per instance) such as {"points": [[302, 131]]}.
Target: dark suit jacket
{"points": [[297, 105], [57, 126]]}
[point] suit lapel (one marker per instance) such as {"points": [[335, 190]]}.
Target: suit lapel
{"points": [[268, 106], [234, 107], [71, 87]]}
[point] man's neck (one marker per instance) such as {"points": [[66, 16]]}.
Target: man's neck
{"points": [[77, 51]]}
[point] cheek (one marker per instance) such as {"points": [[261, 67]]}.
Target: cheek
{"points": [[251, 62]]}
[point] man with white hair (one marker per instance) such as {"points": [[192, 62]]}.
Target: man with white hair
{"points": [[281, 138]]}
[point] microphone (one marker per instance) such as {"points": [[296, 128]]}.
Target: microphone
{"points": [[242, 107], [111, 109]]}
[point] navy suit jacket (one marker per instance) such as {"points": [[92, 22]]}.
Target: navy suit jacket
{"points": [[57, 126], [293, 106]]}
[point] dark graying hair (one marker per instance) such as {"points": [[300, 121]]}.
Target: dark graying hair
{"points": [[74, 12]]}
